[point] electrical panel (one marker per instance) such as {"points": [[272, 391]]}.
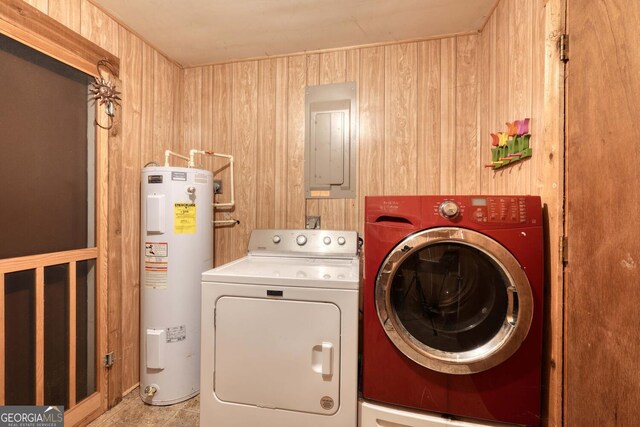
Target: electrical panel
{"points": [[330, 150]]}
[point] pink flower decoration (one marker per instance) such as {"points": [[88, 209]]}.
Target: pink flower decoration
{"points": [[523, 126]]}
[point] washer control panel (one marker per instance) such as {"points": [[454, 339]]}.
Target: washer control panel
{"points": [[307, 243], [484, 210]]}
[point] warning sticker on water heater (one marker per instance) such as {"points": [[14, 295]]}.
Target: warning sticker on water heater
{"points": [[156, 264], [184, 218], [177, 333]]}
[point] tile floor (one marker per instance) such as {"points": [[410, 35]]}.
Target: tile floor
{"points": [[133, 412]]}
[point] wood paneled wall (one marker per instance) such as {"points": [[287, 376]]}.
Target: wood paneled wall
{"points": [[521, 75], [417, 129], [425, 112], [150, 122]]}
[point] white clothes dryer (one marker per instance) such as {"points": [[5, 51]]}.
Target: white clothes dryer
{"points": [[280, 333]]}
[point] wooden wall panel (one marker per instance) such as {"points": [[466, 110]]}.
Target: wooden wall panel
{"points": [[139, 120], [448, 57], [333, 69], [371, 125], [221, 142], [67, 12], [429, 142], [266, 144], [401, 102], [467, 143], [98, 27], [244, 150], [296, 84], [351, 208]]}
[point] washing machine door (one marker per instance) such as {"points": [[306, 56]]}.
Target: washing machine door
{"points": [[454, 300]]}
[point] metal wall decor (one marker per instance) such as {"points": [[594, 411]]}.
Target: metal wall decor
{"points": [[104, 92]]}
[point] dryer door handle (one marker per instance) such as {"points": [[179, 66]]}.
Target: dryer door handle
{"points": [[327, 358]]}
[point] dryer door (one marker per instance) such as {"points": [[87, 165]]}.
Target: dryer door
{"points": [[454, 300], [278, 354]]}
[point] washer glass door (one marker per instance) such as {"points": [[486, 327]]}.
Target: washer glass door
{"points": [[454, 300]]}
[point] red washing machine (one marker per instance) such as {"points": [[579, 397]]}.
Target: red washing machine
{"points": [[453, 302]]}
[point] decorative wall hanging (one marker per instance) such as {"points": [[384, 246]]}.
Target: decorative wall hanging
{"points": [[512, 146], [104, 92]]}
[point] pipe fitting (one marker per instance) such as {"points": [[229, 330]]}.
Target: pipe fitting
{"points": [[150, 391]]}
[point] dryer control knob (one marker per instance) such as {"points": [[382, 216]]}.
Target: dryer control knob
{"points": [[449, 209], [301, 240], [276, 239], [327, 240], [341, 240]]}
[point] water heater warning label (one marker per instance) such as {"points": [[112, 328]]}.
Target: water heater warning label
{"points": [[177, 333], [184, 218], [156, 264]]}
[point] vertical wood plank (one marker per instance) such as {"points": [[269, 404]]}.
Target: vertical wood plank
{"points": [[312, 206], [485, 70], [429, 96], [164, 92], [281, 143], [401, 104], [98, 27], [192, 114], [40, 336], [72, 334], [351, 213], [144, 105], [266, 149], [467, 149], [139, 135], [41, 5], [177, 124], [537, 124], [67, 12], [553, 195], [221, 128], [371, 125], [448, 56], [245, 114], [501, 106], [108, 382], [124, 175], [519, 100], [332, 69], [2, 340], [295, 141]]}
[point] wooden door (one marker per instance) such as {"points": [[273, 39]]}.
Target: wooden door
{"points": [[602, 291], [44, 300]]}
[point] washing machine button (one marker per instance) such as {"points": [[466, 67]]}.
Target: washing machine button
{"points": [[341, 240], [276, 239], [327, 240], [301, 240]]}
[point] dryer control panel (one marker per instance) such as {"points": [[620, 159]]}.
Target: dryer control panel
{"points": [[304, 243]]}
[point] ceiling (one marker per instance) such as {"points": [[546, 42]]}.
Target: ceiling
{"points": [[199, 32]]}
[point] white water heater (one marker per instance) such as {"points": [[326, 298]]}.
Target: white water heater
{"points": [[176, 247]]}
